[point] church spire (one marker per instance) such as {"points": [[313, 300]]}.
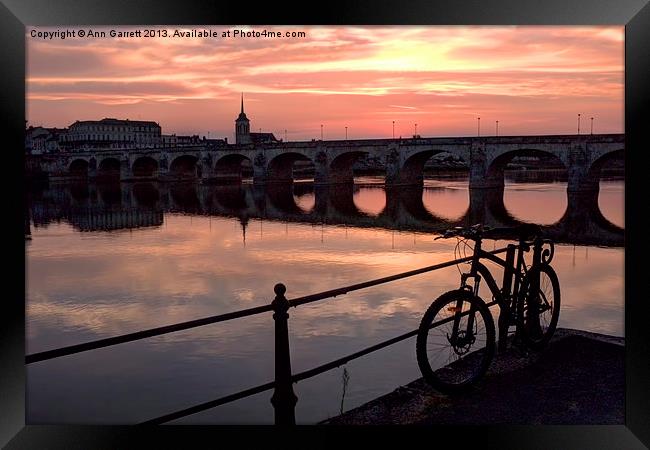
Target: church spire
{"points": [[242, 126]]}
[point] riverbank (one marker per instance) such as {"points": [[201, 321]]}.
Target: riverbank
{"points": [[578, 379]]}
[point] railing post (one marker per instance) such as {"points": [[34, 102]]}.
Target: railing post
{"points": [[283, 399]]}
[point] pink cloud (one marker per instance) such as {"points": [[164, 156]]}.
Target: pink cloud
{"points": [[531, 79]]}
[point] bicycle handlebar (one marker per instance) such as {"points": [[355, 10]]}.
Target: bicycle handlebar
{"points": [[474, 232], [523, 232]]}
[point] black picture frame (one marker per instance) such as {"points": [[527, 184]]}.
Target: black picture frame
{"points": [[634, 14]]}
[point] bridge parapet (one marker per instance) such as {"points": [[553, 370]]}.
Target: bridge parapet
{"points": [[333, 161]]}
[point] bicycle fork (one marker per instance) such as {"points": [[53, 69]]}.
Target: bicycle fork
{"points": [[460, 338]]}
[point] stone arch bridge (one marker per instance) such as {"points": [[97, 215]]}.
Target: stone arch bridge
{"points": [[333, 161]]}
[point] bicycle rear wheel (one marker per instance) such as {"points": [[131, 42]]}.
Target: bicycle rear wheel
{"points": [[538, 307], [455, 341]]}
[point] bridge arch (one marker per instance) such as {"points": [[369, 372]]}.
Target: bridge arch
{"points": [[596, 167], [78, 168], [281, 167], [341, 168], [495, 174], [145, 167], [412, 170], [514, 204], [184, 167], [232, 168], [108, 168]]}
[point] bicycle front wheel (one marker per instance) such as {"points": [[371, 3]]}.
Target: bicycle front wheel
{"points": [[455, 341], [539, 307]]}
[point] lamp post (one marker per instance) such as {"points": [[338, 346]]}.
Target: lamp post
{"points": [[346, 133], [285, 135], [592, 125], [393, 129], [497, 128], [416, 130], [479, 126], [321, 132], [578, 123]]}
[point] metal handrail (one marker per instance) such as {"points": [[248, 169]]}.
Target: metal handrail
{"points": [[355, 287], [211, 404], [107, 342], [284, 399], [339, 362], [294, 378]]}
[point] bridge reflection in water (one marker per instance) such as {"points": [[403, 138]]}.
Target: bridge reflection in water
{"points": [[113, 206]]}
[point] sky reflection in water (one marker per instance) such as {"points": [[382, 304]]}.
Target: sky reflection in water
{"points": [[84, 286]]}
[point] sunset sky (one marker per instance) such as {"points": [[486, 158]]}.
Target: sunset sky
{"points": [[533, 80]]}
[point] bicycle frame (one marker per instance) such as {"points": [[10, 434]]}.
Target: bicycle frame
{"points": [[507, 296], [520, 300]]}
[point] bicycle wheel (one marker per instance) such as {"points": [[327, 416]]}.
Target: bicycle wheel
{"points": [[455, 341], [538, 308]]}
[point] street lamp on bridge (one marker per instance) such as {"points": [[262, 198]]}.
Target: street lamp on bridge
{"points": [[479, 126], [592, 125], [346, 133], [578, 123], [393, 129], [321, 132], [497, 128], [416, 130]]}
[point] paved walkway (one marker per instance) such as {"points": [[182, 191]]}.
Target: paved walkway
{"points": [[578, 379]]}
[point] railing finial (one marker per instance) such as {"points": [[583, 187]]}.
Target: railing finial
{"points": [[280, 289]]}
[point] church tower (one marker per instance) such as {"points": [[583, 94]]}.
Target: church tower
{"points": [[242, 126]]}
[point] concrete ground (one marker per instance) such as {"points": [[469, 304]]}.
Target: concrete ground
{"points": [[578, 379]]}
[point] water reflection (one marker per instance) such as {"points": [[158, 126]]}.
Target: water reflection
{"points": [[449, 202], [371, 200], [188, 259], [574, 218], [553, 197], [611, 202]]}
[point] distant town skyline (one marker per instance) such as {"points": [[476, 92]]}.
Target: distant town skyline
{"points": [[354, 80]]}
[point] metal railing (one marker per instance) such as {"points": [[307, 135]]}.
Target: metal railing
{"points": [[283, 399]]}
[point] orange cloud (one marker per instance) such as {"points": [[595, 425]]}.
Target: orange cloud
{"points": [[532, 79]]}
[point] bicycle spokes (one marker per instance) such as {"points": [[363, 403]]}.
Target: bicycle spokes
{"points": [[462, 341], [453, 340], [539, 307]]}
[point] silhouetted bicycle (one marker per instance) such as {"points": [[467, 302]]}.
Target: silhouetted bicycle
{"points": [[456, 338]]}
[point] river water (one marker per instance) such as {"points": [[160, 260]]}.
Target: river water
{"points": [[104, 261]]}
